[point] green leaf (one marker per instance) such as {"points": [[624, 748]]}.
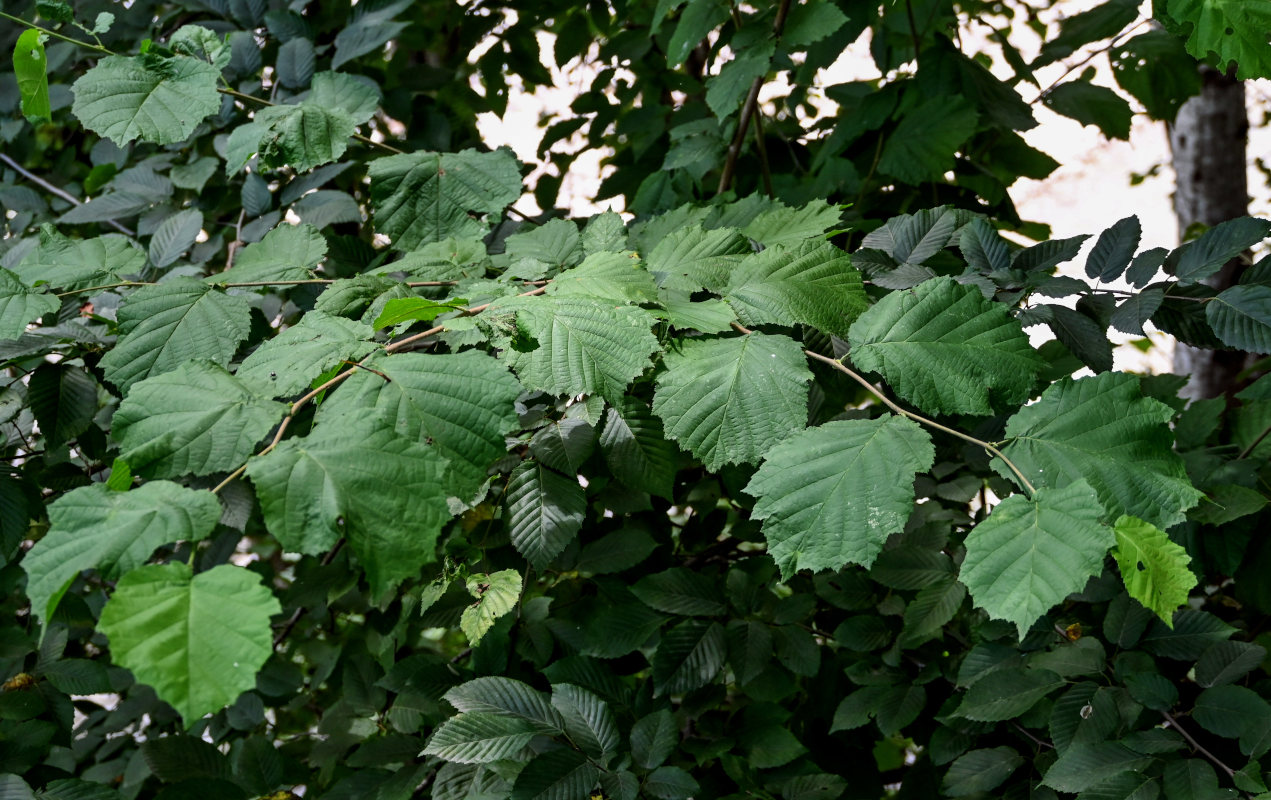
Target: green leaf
{"points": [[690, 258], [946, 349], [1154, 568], [1101, 429], [1234, 29], [287, 253], [1193, 633], [545, 511], [424, 197], [1029, 554], [301, 136], [158, 100], [706, 316], [813, 283], [811, 22], [1114, 250], [725, 91], [680, 591], [174, 236], [63, 398], [831, 496], [1084, 765], [509, 698], [688, 657], [31, 67], [288, 363], [928, 613], [462, 403], [923, 145], [981, 771], [196, 420], [1156, 70], [1230, 711], [1200, 259], [709, 400], [408, 309], [584, 346], [1094, 105], [197, 639], [497, 593], [1136, 310], [619, 277], [201, 42], [21, 305], [674, 783], [163, 326], [1241, 317], [93, 527], [480, 737], [362, 481], [698, 19], [636, 450], [562, 774], [1009, 693], [564, 445], [654, 738], [1227, 662], [65, 263], [588, 721], [357, 95]]}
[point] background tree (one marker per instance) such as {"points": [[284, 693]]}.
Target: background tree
{"points": [[326, 475]]}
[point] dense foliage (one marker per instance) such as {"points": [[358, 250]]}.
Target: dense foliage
{"points": [[323, 476]]}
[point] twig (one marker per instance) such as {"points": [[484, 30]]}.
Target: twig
{"points": [[887, 401], [304, 400], [1173, 723], [1036, 741], [1112, 44], [299, 612], [86, 45], [747, 110], [765, 169], [1252, 445], [48, 187]]}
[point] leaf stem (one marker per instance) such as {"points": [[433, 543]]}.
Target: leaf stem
{"points": [[887, 401], [1173, 723]]}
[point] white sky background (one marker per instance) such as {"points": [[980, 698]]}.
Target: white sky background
{"points": [[1088, 192]]}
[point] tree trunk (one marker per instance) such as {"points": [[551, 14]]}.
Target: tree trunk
{"points": [[1208, 140]]}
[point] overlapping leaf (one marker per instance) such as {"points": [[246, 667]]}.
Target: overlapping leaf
{"points": [[636, 449], [545, 511], [1234, 29], [1031, 553], [113, 532], [583, 346], [462, 403], [424, 197], [197, 639], [163, 326], [301, 136], [155, 99], [21, 305], [196, 420], [709, 401], [1102, 430], [65, 263], [1153, 567], [288, 363], [831, 496], [360, 480], [946, 349], [287, 253], [813, 283]]}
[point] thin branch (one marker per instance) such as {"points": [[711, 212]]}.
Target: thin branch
{"points": [[1111, 45], [747, 110], [50, 188], [86, 45], [1036, 741], [1252, 445], [304, 400], [887, 401], [1173, 723], [762, 149]]}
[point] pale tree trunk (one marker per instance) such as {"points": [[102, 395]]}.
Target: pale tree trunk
{"points": [[1208, 144]]}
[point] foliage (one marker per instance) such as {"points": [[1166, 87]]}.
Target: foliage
{"points": [[414, 498]]}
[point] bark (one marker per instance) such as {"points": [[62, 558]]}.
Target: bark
{"points": [[1207, 141]]}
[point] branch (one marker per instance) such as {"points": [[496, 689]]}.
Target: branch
{"points": [[887, 401], [1173, 723], [48, 187], [748, 109], [1112, 43], [285, 631], [304, 400]]}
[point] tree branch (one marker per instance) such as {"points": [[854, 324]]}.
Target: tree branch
{"points": [[51, 189]]}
